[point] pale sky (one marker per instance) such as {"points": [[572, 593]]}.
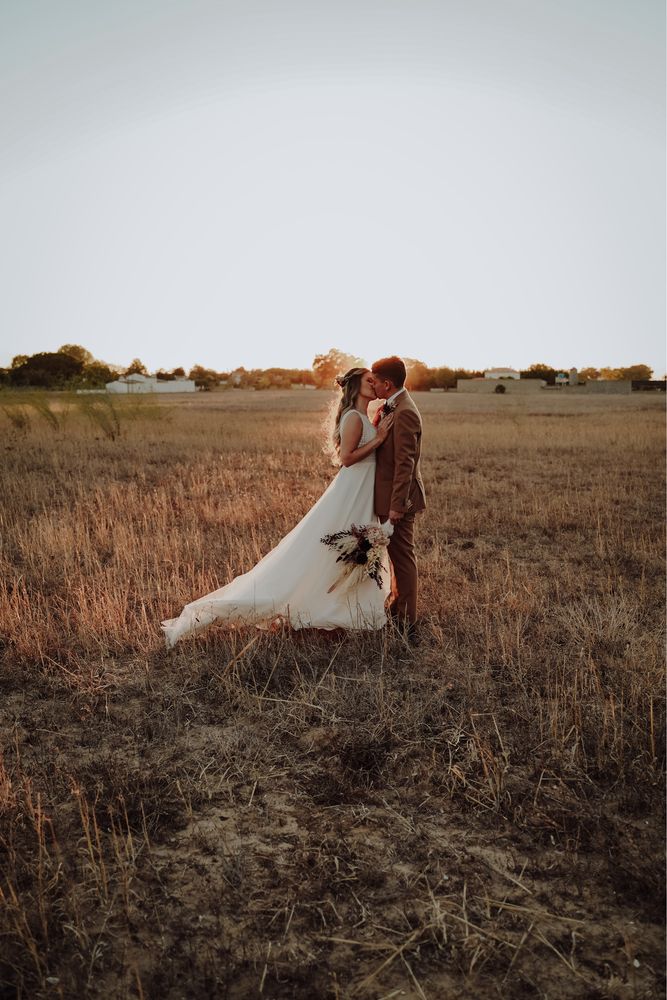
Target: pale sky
{"points": [[468, 182]]}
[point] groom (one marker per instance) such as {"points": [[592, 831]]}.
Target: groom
{"points": [[399, 491]]}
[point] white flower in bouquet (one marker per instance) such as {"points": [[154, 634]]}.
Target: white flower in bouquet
{"points": [[360, 550]]}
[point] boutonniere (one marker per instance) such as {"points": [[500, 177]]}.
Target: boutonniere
{"points": [[388, 408]]}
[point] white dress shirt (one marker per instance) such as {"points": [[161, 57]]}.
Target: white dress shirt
{"points": [[391, 399]]}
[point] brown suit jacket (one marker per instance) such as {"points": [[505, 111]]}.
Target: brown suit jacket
{"points": [[398, 481]]}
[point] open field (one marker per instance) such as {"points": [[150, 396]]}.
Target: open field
{"points": [[331, 816]]}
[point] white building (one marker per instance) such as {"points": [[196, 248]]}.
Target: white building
{"points": [[501, 373], [137, 383]]}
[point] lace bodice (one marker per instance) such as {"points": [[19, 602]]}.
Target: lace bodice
{"points": [[368, 432]]}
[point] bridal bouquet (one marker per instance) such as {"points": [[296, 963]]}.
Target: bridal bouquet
{"points": [[360, 549]]}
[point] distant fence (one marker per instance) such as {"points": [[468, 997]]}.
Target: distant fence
{"points": [[530, 385], [511, 385], [648, 385], [611, 385]]}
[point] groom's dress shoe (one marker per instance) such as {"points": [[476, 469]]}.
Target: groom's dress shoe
{"points": [[410, 631], [413, 634]]}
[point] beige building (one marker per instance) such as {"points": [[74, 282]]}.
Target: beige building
{"points": [[523, 386], [502, 373], [139, 384]]}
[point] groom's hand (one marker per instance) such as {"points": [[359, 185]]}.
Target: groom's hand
{"points": [[395, 515]]}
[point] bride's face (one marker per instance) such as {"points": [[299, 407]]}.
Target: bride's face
{"points": [[367, 387]]}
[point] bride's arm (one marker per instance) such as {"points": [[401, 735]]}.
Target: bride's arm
{"points": [[350, 435]]}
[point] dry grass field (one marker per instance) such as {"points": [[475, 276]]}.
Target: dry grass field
{"points": [[328, 815]]}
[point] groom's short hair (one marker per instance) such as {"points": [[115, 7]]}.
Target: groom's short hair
{"points": [[391, 368]]}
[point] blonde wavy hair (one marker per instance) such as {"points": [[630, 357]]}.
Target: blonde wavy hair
{"points": [[350, 384]]}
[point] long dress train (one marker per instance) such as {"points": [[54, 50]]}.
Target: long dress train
{"points": [[291, 582]]}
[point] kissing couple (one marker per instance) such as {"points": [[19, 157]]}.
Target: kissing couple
{"points": [[378, 491]]}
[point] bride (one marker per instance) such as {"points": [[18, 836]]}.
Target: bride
{"points": [[293, 582]]}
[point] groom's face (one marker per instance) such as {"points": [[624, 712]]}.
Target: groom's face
{"points": [[383, 387]]}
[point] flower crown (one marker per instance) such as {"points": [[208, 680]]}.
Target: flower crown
{"points": [[342, 380]]}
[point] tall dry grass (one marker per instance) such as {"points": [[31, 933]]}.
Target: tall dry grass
{"points": [[296, 815]]}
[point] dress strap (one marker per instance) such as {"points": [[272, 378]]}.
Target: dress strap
{"points": [[347, 414]]}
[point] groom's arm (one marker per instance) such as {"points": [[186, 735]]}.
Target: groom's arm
{"points": [[407, 429]]}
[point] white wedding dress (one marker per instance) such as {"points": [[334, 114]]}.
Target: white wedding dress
{"points": [[290, 583]]}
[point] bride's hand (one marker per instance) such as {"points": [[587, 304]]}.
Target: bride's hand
{"points": [[384, 427]]}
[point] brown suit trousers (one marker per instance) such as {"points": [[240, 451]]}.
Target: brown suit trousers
{"points": [[399, 486], [404, 578]]}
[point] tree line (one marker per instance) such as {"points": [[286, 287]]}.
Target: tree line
{"points": [[73, 367]]}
